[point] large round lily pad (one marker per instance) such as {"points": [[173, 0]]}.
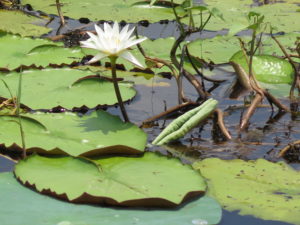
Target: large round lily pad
{"points": [[98, 133], [131, 181], [267, 190], [19, 23], [45, 89], [15, 198], [17, 51]]}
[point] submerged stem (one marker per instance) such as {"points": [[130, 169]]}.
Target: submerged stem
{"points": [[116, 86]]}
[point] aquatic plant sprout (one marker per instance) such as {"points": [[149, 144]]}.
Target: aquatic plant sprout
{"points": [[112, 42]]}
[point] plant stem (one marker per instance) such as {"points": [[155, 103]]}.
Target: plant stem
{"points": [[62, 19], [296, 80], [116, 86], [19, 117], [181, 28]]}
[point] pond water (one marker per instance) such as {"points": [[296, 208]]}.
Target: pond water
{"points": [[264, 138], [267, 134]]}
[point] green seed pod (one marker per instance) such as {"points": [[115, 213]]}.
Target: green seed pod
{"points": [[184, 123]]}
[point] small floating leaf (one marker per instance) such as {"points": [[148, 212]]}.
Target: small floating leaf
{"points": [[267, 190], [128, 181], [15, 198], [184, 123]]}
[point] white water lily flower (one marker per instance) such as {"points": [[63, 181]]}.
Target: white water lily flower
{"points": [[112, 42]]}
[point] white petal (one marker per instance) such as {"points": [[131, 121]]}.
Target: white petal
{"points": [[123, 32], [134, 42], [97, 57], [115, 29], [88, 44], [128, 56], [99, 31], [95, 39], [128, 34], [107, 28]]}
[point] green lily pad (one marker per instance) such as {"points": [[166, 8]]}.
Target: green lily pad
{"points": [[266, 190], [128, 181], [287, 40], [19, 23], [221, 48], [129, 10], [281, 15], [99, 132], [218, 49], [17, 51], [45, 89], [15, 198], [267, 68]]}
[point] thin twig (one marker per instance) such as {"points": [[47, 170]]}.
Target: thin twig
{"points": [[283, 151], [197, 71], [179, 79], [222, 124], [296, 80], [275, 101], [169, 111], [62, 19], [256, 101], [187, 75], [142, 51], [181, 28]]}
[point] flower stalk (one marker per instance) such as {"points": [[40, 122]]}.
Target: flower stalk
{"points": [[113, 43], [113, 60]]}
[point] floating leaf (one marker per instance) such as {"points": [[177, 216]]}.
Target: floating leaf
{"points": [[19, 23], [280, 14], [267, 68], [129, 10], [46, 89], [221, 48], [129, 181], [184, 123], [98, 133], [266, 190], [15, 198], [218, 49], [17, 51], [288, 40]]}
